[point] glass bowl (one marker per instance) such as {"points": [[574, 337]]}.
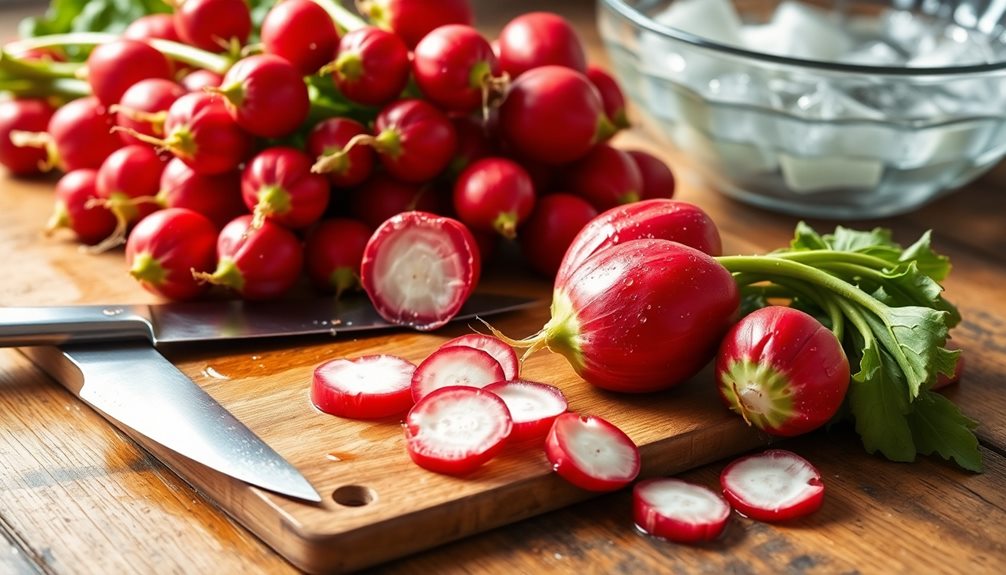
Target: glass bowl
{"points": [[842, 110]]}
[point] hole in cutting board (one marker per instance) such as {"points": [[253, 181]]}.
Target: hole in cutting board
{"points": [[354, 495]]}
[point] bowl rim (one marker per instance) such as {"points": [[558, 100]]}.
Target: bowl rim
{"points": [[641, 20]]}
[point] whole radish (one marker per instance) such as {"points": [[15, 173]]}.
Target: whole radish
{"points": [[258, 263], [411, 20], [782, 371], [302, 33], [76, 210], [152, 26], [611, 95], [23, 115], [164, 249], [265, 95], [456, 69], [658, 180], [539, 39], [332, 137], [216, 196], [381, 197], [333, 252], [553, 115], [214, 25], [115, 66], [372, 66], [555, 221], [144, 107], [277, 184], [673, 220], [196, 80], [127, 184], [79, 136], [494, 194], [606, 177]]}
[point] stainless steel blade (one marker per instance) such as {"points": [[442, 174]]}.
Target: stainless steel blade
{"points": [[133, 386]]}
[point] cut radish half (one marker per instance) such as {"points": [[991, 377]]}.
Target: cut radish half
{"points": [[418, 269], [494, 346], [773, 486], [678, 510], [455, 366], [454, 430], [533, 406], [367, 387], [591, 453]]}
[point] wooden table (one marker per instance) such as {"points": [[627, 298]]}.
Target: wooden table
{"points": [[76, 496]]}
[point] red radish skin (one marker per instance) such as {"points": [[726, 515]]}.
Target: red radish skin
{"points": [[418, 269], [258, 263], [201, 132], [782, 371], [277, 184], [658, 179], [30, 116], [197, 80], [679, 511], [414, 140], [332, 137], [494, 346], [217, 196], [333, 252], [555, 221], [213, 25], [473, 144], [265, 95], [164, 249], [115, 66], [81, 133], [672, 220], [152, 26], [606, 177], [302, 33], [127, 184], [411, 20], [591, 453], [538, 39], [611, 95], [494, 194], [455, 68], [773, 486], [75, 208], [372, 67], [456, 430], [144, 107], [368, 387], [455, 366], [382, 197], [533, 407]]}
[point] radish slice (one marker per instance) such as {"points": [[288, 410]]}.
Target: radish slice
{"points": [[591, 453], [494, 346], [367, 387], [773, 486], [533, 406], [455, 366], [418, 269], [678, 510], [454, 430]]}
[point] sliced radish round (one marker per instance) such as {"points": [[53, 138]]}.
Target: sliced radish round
{"points": [[773, 486], [454, 430], [419, 268], [455, 366], [591, 453], [678, 510], [533, 406], [368, 387], [494, 346]]}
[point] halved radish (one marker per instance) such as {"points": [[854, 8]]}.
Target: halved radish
{"points": [[455, 366], [773, 486], [679, 511], [494, 346], [454, 430], [533, 406], [591, 453], [367, 387], [419, 268]]}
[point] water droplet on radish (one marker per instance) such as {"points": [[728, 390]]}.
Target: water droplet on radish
{"points": [[642, 319]]}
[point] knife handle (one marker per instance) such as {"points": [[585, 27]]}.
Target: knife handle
{"points": [[30, 326]]}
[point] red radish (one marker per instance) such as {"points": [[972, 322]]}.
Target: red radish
{"points": [[79, 136], [679, 511], [553, 115], [217, 196], [144, 107], [555, 221], [611, 95], [455, 366], [302, 33], [776, 485], [591, 453], [640, 316], [494, 194], [418, 269], [533, 406], [455, 430], [658, 180], [277, 184], [606, 177], [164, 248], [368, 387], [115, 66], [474, 143], [539, 39], [151, 26], [31, 116], [197, 80], [411, 20], [333, 252], [265, 95], [75, 208], [456, 69], [127, 184], [662, 219], [372, 66], [257, 263], [381, 197], [332, 137], [495, 347], [782, 371], [213, 25]]}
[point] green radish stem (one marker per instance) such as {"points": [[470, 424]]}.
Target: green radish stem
{"points": [[344, 19]]}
